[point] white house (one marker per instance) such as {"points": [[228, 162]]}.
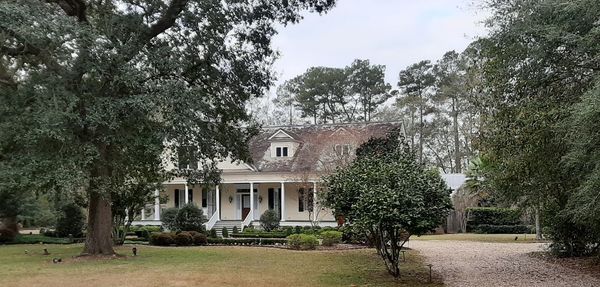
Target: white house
{"points": [[288, 163]]}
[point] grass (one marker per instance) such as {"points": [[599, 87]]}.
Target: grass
{"points": [[204, 266], [495, 238]]}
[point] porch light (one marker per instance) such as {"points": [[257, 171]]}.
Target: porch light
{"points": [[259, 199], [230, 199]]}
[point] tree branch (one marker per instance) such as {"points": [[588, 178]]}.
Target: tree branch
{"points": [[72, 8], [166, 21]]}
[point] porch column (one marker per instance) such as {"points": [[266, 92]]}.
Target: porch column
{"points": [[282, 199], [156, 205], [314, 201], [218, 198], [126, 215], [187, 196], [251, 214], [143, 214]]}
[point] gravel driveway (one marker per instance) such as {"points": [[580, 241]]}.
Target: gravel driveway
{"points": [[464, 263]]}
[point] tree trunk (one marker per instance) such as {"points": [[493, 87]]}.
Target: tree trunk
{"points": [[457, 157], [538, 224], [98, 240]]}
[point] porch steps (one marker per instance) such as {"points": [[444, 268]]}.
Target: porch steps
{"points": [[229, 224]]}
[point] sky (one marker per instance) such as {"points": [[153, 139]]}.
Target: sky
{"points": [[395, 33]]}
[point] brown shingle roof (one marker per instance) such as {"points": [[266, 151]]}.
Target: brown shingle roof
{"points": [[316, 144]]}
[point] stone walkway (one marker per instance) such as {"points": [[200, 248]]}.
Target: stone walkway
{"points": [[464, 264]]}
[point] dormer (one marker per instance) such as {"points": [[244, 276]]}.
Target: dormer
{"points": [[283, 145]]}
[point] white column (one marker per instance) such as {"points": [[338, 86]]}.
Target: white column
{"points": [[315, 201], [218, 195], [282, 196], [187, 196], [251, 214], [143, 214], [156, 205], [126, 215]]}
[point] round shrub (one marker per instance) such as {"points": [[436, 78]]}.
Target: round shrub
{"points": [[302, 241], [167, 217], [331, 237], [161, 239], [199, 238], [298, 229], [212, 233], [183, 239], [235, 230], [71, 221], [269, 220], [190, 218], [225, 232]]}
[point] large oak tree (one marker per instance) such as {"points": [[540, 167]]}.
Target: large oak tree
{"points": [[92, 92]]}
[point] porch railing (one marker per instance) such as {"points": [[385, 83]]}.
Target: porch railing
{"points": [[246, 221], [212, 221]]}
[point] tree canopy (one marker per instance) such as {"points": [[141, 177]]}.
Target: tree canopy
{"points": [[93, 92]]}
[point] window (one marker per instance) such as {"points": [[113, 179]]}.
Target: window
{"points": [[305, 200], [342, 149], [180, 197], [281, 151], [204, 197], [271, 196]]}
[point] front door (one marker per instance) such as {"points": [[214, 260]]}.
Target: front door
{"points": [[245, 205]]}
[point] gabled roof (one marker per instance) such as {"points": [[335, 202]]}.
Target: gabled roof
{"points": [[315, 143]]}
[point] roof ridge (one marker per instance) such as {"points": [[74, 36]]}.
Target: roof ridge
{"points": [[331, 124]]}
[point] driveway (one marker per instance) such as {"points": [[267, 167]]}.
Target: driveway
{"points": [[464, 263]]}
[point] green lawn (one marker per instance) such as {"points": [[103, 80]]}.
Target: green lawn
{"points": [[203, 266], [497, 238]]}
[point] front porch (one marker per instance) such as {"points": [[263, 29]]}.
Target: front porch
{"points": [[231, 203]]}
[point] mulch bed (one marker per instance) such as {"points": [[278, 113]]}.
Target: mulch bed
{"points": [[589, 265]]}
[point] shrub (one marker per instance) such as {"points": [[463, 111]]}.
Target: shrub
{"points": [[212, 233], [331, 237], [269, 220], [260, 235], [198, 238], [168, 217], [225, 232], [289, 230], [298, 229], [302, 241], [190, 218], [71, 221], [183, 239], [161, 239], [235, 230], [502, 229]]}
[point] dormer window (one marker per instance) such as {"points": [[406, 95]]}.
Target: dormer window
{"points": [[342, 149], [281, 151]]}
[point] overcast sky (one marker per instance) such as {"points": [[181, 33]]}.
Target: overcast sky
{"points": [[395, 33]]}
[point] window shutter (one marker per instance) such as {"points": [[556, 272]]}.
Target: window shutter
{"points": [[278, 151], [177, 198], [285, 151], [301, 200], [271, 198], [190, 196]]}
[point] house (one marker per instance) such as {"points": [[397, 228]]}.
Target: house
{"points": [[284, 175]]}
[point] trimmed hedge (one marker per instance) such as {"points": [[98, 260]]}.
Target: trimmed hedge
{"points": [[199, 238], [493, 216], [258, 235], [183, 239], [502, 229], [302, 241], [162, 239], [247, 241]]}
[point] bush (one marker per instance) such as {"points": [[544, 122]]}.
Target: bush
{"points": [[302, 241], [71, 221], [190, 218], [235, 230], [225, 232], [183, 239], [269, 220], [502, 229], [493, 216], [349, 235], [298, 229], [212, 233], [161, 239], [168, 218], [331, 237], [289, 231], [198, 238]]}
